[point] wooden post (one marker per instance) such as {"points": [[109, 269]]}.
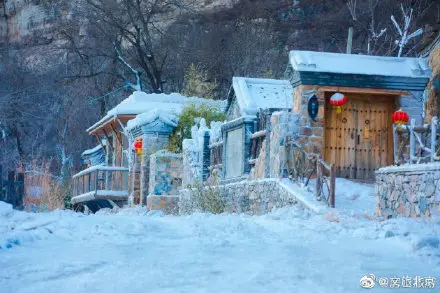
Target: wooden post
{"points": [[318, 178], [332, 185], [19, 192], [396, 145], [412, 142], [96, 180], [10, 193], [433, 138]]}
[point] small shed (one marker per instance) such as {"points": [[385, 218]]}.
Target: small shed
{"points": [[358, 140], [247, 99]]}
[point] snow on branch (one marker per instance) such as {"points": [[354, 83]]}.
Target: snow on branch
{"points": [[137, 73], [403, 32]]}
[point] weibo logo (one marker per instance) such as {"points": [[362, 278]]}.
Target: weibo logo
{"points": [[367, 282]]}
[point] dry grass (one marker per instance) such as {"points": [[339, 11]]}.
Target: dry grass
{"points": [[42, 188], [434, 61]]}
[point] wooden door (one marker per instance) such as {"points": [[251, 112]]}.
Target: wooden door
{"points": [[359, 140]]}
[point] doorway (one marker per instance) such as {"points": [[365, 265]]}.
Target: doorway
{"points": [[359, 140]]}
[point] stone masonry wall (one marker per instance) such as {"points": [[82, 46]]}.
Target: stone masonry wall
{"points": [[311, 133], [282, 125], [254, 197], [408, 191], [165, 173]]}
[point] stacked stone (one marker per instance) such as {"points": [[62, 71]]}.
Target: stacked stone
{"points": [[255, 197], [402, 191], [311, 132]]}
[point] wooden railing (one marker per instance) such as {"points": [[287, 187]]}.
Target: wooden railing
{"points": [[302, 166], [325, 177], [102, 181], [415, 144]]}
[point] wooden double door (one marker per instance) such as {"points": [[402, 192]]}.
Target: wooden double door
{"points": [[359, 140]]}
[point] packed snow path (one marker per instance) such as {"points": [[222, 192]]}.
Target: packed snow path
{"points": [[289, 250]]}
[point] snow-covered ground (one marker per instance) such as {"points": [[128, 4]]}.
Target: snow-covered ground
{"points": [[288, 250]]}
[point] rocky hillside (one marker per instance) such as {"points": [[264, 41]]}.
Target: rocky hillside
{"points": [[58, 60]]}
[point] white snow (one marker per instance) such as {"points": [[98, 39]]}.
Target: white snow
{"points": [[99, 167], [98, 193], [410, 167], [91, 151], [139, 102], [152, 115], [289, 250], [359, 64], [253, 94]]}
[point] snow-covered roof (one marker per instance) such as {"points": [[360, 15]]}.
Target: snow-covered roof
{"points": [[150, 116], [253, 94], [93, 150], [359, 64], [139, 102]]}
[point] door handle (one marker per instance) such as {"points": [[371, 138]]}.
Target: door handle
{"points": [[359, 139]]}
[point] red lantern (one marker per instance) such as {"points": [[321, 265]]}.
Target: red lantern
{"points": [[138, 146], [338, 100], [400, 118]]}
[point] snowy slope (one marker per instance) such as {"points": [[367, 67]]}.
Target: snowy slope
{"points": [[289, 250]]}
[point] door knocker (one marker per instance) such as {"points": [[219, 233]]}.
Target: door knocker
{"points": [[366, 129]]}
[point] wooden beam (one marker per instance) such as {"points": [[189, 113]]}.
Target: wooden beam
{"points": [[108, 139], [102, 145], [358, 90], [118, 137]]}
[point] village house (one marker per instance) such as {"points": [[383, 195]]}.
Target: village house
{"points": [[332, 116], [147, 119]]}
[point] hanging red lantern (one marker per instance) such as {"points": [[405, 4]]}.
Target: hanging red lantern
{"points": [[138, 146], [400, 117], [337, 100]]}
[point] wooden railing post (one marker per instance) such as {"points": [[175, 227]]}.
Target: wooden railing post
{"points": [[433, 138], [318, 178], [96, 180], [332, 185]]}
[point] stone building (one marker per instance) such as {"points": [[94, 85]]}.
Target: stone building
{"points": [[358, 140]]}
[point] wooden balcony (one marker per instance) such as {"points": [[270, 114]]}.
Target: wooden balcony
{"points": [[99, 183]]}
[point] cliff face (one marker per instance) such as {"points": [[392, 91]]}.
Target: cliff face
{"points": [[33, 21]]}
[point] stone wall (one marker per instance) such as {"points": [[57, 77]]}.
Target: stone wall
{"points": [[253, 197], [413, 105], [165, 173], [412, 191], [311, 132], [152, 142], [282, 125]]}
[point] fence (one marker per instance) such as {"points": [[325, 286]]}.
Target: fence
{"points": [[423, 142], [12, 188], [302, 166], [101, 181]]}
